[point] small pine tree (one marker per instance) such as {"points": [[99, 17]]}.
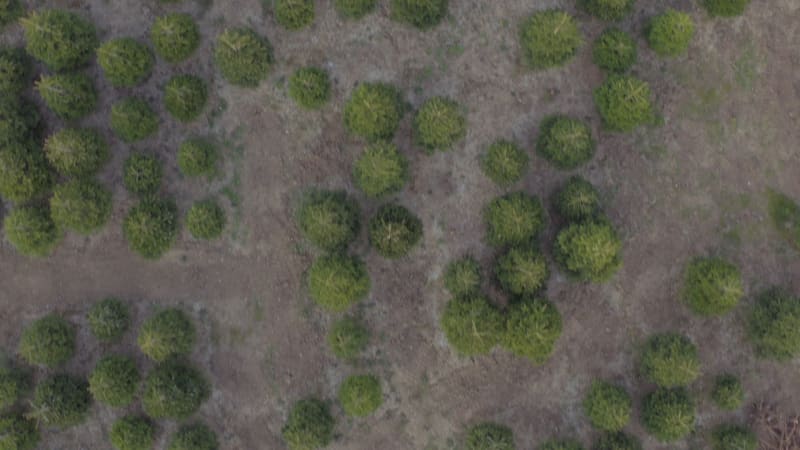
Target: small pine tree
{"points": [[727, 393], [394, 231], [422, 14], [608, 406], [61, 401], [668, 414], [125, 62], [142, 174], [108, 319], [310, 87], [514, 219], [185, 97], [439, 124], [81, 205], [31, 231], [114, 380], [549, 39], [60, 39], [615, 51], [712, 286], [608, 9], [151, 227], [294, 14], [174, 390], [70, 96], [18, 432], [578, 200], [373, 111], [132, 119], [566, 142], [337, 281], [309, 425], [360, 395], [490, 435], [462, 277], [329, 219], [243, 57], [504, 163], [347, 338], [725, 8], [472, 325], [532, 329], [132, 433], [24, 174], [774, 325], [175, 37], [76, 152], [670, 33], [194, 437], [15, 70], [589, 251], [166, 334], [733, 437], [355, 9], [669, 360], [381, 170], [522, 271], [197, 157], [205, 220], [624, 103]]}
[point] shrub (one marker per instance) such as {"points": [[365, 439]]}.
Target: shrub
{"points": [[194, 437], [31, 231], [472, 324], [60, 39], [614, 50], [19, 120], [670, 33], [394, 231], [114, 381], [422, 14], [294, 14], [143, 174], [10, 11], [174, 390], [167, 333], [624, 103], [439, 124], [380, 170], [373, 111], [19, 432], [13, 384], [725, 8], [733, 437], [197, 157], [589, 251], [549, 39], [108, 319], [568, 444], [504, 163], [617, 441], [567, 143], [81, 205], [463, 277], [185, 97], [24, 174], [608, 406], [310, 87], [49, 341], [243, 57], [329, 219], [337, 281], [727, 393], [15, 70], [514, 219], [309, 425], [785, 216], [205, 220], [360, 395], [577, 200], [532, 329], [125, 62], [669, 359], [132, 119], [522, 271], [355, 9], [774, 327], [70, 96], [60, 401], [712, 286], [151, 227], [347, 338], [608, 9], [175, 37], [132, 433], [76, 152], [490, 436], [668, 414]]}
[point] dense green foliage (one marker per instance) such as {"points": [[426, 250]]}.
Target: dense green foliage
{"points": [[347, 338], [76, 152], [71, 96], [532, 329], [504, 163], [151, 227], [166, 334], [60, 39], [725, 8], [10, 10], [733, 437], [566, 142], [373, 111], [194, 437], [423, 14], [668, 413], [712, 286], [48, 341], [142, 174], [31, 230], [624, 103], [355, 9], [294, 14], [310, 87], [514, 219], [15, 70], [243, 57], [577, 200], [329, 219], [19, 120], [549, 39], [18, 433], [608, 9], [615, 51], [394, 231], [337, 281], [185, 97], [175, 37], [381, 170], [132, 433], [206, 220], [774, 327], [589, 251], [727, 393], [61, 401], [197, 157], [489, 436], [561, 444], [174, 390], [669, 359], [309, 425], [13, 384], [81, 205], [439, 124], [617, 441], [608, 406], [463, 277], [114, 380], [360, 395], [472, 324], [785, 215], [108, 319], [670, 33], [132, 119], [522, 271], [125, 61], [24, 174]]}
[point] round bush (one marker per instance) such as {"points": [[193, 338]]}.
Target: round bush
{"points": [[373, 111], [347, 338], [294, 14], [360, 395], [490, 436], [24, 174], [337, 281], [522, 271], [532, 329], [174, 390], [668, 414], [81, 205], [712, 286], [132, 119], [549, 39], [422, 14], [185, 97], [329, 219], [13, 384], [774, 327], [167, 333], [670, 33], [60, 39], [49, 341], [125, 62], [394, 231], [310, 87], [76, 152], [472, 325], [463, 277], [615, 51], [114, 381], [142, 174], [505, 163], [108, 319], [733, 437], [194, 437], [309, 425], [197, 157], [355, 9], [577, 200], [567, 143], [608, 406], [617, 441], [624, 103], [514, 219], [725, 8], [31, 231], [727, 393], [205, 220], [243, 57], [607, 9], [61, 401], [10, 10], [175, 37], [669, 359], [15, 71], [71, 96], [19, 120], [151, 227], [380, 170], [589, 251], [561, 445], [132, 433], [439, 124], [18, 432]]}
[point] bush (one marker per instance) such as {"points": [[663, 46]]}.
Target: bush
{"points": [[309, 425], [197, 157], [76, 152], [10, 11], [194, 437], [294, 14], [143, 174], [439, 124], [725, 8], [373, 111], [670, 33], [532, 329], [624, 103], [60, 401], [310, 87], [360, 395], [71, 96], [578, 200], [567, 143], [24, 174], [669, 360], [589, 251], [60, 39], [549, 39], [347, 338], [31, 231], [394, 231], [568, 444], [175, 37], [329, 219], [712, 286], [167, 333], [617, 441], [733, 437], [125, 62], [243, 57], [114, 381], [490, 436], [727, 393], [19, 120], [174, 390], [608, 9], [423, 14], [108, 319], [355, 9], [185, 97], [81, 205], [13, 384], [785, 216], [522, 271], [774, 327], [514, 219], [668, 414], [614, 50], [15, 70], [337, 281], [151, 227], [505, 163], [463, 277], [380, 170], [19, 432], [472, 325], [608, 406], [205, 220], [132, 119], [132, 433], [49, 341]]}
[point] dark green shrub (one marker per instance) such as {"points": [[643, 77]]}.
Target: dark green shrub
{"points": [[423, 14], [60, 39], [71, 96], [337, 281], [108, 319], [81, 205], [151, 227], [380, 170], [725, 8], [18, 433], [185, 97], [167, 333], [60, 401], [31, 231], [347, 338], [617, 441], [329, 219], [463, 277], [785, 216], [472, 324], [727, 393], [522, 271], [712, 286], [669, 359], [76, 152], [514, 219], [589, 251], [10, 11], [608, 9], [49, 341], [175, 37], [504, 163], [624, 103], [194, 437], [668, 414], [608, 406], [15, 70], [132, 119], [355, 9], [294, 14], [132, 433], [19, 120], [774, 327], [615, 51], [360, 395], [125, 62], [567, 143], [532, 329], [142, 174], [243, 57], [733, 437], [13, 384], [373, 111], [205, 220], [24, 174], [561, 445], [549, 39], [439, 124], [577, 200], [197, 157], [490, 436], [310, 87], [309, 425], [670, 33], [174, 390], [394, 231], [114, 381]]}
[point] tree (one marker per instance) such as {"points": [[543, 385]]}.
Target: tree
{"points": [[549, 39], [439, 124], [114, 381], [175, 37], [82, 205], [60, 39], [48, 341], [243, 57], [669, 360], [125, 61], [373, 111], [309, 425], [472, 325], [166, 334], [151, 227]]}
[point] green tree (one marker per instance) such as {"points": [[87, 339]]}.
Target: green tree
{"points": [[522, 271], [294, 14], [394, 231], [785, 216], [514, 219], [589, 251], [31, 231], [532, 329], [61, 401], [733, 437], [712, 286], [617, 441], [151, 227], [24, 174], [194, 437], [166, 334], [670, 33], [422, 14], [329, 219], [608, 406], [309, 425], [566, 142], [185, 97], [18, 432], [727, 393], [360, 395], [355, 9], [549, 39], [125, 61], [463, 277], [337, 281], [381, 170], [669, 359], [243, 57], [132, 433], [310, 87], [197, 157], [347, 338], [60, 39], [114, 380], [624, 103], [668, 413], [76, 152], [774, 325], [608, 9], [71, 96], [142, 174], [108, 319], [615, 51], [81, 205], [504, 163], [174, 390], [577, 200], [48, 341], [205, 220], [175, 37], [132, 119], [490, 436], [15, 69], [725, 8], [373, 111], [439, 124], [472, 325]]}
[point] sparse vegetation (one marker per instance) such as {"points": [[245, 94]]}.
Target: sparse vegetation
{"points": [[608, 406], [194, 437], [166, 334], [439, 124], [14, 383], [463, 277], [532, 329], [355, 9], [60, 39], [712, 286], [567, 444], [347, 338], [618, 441], [422, 14], [114, 380], [329, 219], [589, 251], [373, 111], [381, 170], [108, 319], [125, 61], [175, 37], [577, 200], [49, 341], [185, 97], [504, 163], [727, 393], [549, 39], [31, 231], [197, 157], [733, 437], [174, 390], [725, 8], [514, 219], [615, 51], [785, 216], [566, 142], [294, 14], [360, 395], [76, 152], [143, 174], [668, 413], [24, 174], [61, 401], [243, 57], [309, 425], [670, 33], [18, 432], [624, 103], [132, 119], [337, 281], [151, 227], [394, 231], [774, 326], [522, 271], [205, 220], [15, 69], [71, 96], [81, 205], [310, 87], [132, 433], [608, 9], [490, 436], [472, 324], [669, 360]]}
